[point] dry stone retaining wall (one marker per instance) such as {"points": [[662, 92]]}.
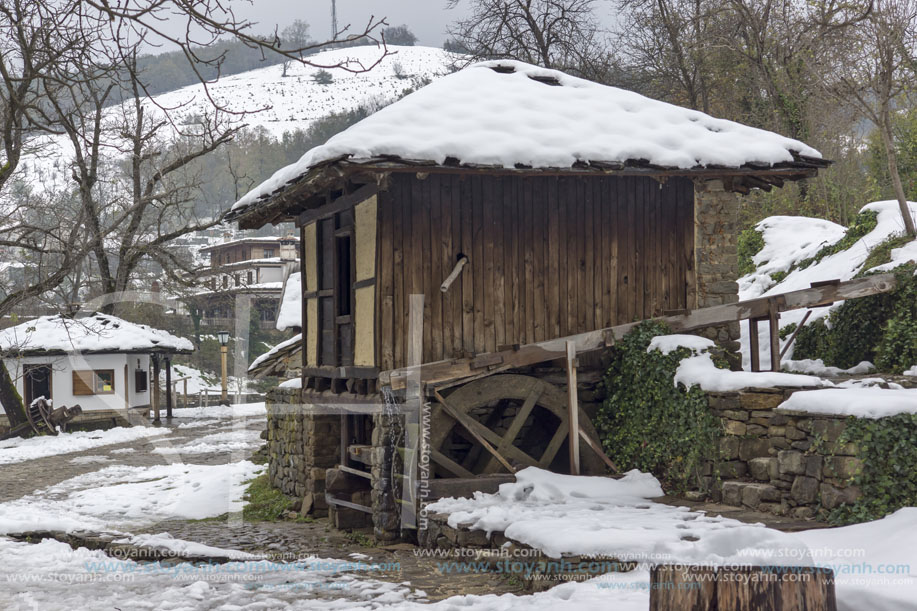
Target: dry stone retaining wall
{"points": [[785, 463]]}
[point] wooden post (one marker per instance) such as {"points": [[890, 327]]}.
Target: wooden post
{"points": [[762, 588], [753, 349], [184, 402], [224, 396], [169, 388], [155, 388], [572, 408], [773, 315], [127, 388]]}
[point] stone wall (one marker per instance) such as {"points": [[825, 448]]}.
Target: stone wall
{"points": [[785, 463], [302, 445], [716, 260]]}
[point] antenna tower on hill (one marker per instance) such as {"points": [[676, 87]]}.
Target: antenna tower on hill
{"points": [[334, 19]]}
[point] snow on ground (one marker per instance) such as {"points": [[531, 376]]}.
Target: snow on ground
{"points": [[789, 240], [238, 410], [875, 563], [201, 381], [859, 402], [481, 116], [226, 441], [17, 450], [121, 497], [165, 542], [53, 577]]}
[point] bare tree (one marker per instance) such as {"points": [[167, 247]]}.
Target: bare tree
{"points": [[294, 36], [560, 34], [878, 75]]}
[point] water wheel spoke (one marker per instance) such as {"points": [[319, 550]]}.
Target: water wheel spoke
{"points": [[515, 426], [558, 440], [449, 465]]}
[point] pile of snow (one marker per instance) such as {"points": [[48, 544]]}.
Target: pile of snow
{"points": [[860, 402], [290, 313], [481, 116], [18, 450], [94, 333], [565, 514], [700, 370], [789, 240], [273, 352], [818, 367]]}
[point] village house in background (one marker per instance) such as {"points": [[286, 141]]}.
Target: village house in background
{"points": [[285, 359], [257, 267], [532, 211], [102, 363]]}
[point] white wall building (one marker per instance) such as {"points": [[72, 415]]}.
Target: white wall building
{"points": [[99, 362]]}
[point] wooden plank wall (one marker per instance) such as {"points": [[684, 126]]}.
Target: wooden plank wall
{"points": [[548, 257]]}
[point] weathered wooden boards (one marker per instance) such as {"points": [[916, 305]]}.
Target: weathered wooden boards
{"points": [[749, 588], [546, 257], [530, 354]]}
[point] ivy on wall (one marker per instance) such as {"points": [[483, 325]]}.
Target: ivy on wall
{"points": [[648, 423], [879, 328], [888, 479]]}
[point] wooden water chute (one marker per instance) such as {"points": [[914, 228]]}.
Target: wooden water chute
{"points": [[513, 262]]}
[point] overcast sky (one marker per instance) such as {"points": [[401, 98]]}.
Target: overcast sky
{"points": [[428, 19]]}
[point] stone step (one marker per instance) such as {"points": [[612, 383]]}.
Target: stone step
{"points": [[749, 494]]}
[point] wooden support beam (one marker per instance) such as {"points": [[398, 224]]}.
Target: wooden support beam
{"points": [[168, 387], [338, 205], [531, 354], [597, 448], [352, 471], [795, 333], [572, 409], [342, 503]]}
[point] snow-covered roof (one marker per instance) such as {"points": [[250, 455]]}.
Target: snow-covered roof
{"points": [[256, 240], [95, 333], [510, 114], [290, 314]]}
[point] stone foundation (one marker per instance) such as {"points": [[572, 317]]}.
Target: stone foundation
{"points": [[302, 445], [785, 463]]}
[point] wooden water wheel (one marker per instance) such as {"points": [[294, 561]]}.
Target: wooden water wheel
{"points": [[524, 418]]}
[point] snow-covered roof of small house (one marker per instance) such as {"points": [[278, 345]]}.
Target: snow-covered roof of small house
{"points": [[96, 333], [290, 314], [508, 114]]}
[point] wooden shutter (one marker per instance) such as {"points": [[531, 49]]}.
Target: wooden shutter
{"points": [[310, 288], [83, 383]]}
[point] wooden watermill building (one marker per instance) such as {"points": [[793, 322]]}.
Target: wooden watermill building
{"points": [[523, 205]]}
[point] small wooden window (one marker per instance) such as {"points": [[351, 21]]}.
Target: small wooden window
{"points": [[140, 381], [268, 253], [98, 382]]}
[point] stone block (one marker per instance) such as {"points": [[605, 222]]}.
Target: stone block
{"points": [[794, 434], [803, 513], [804, 490], [755, 429], [753, 448], [735, 415], [754, 494], [791, 462], [760, 401], [776, 431], [729, 448], [829, 430], [814, 466], [763, 469], [732, 493], [734, 427], [832, 496], [723, 401]]}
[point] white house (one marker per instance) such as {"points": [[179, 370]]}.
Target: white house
{"points": [[99, 362]]}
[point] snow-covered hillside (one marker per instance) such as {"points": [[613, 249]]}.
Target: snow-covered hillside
{"points": [[280, 104], [257, 98], [790, 240]]}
